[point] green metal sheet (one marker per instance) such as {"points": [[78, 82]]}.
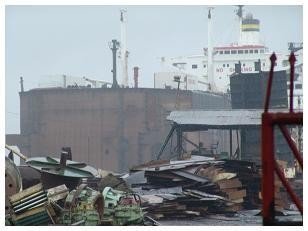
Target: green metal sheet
{"points": [[52, 166]]}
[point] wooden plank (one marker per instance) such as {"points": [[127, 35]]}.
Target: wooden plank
{"points": [[229, 190], [237, 195], [224, 175], [206, 171], [216, 172], [241, 200], [229, 183]]}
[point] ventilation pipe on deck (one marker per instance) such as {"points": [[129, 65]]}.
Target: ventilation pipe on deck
{"points": [[136, 76]]}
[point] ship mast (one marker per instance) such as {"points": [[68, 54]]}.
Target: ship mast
{"points": [[210, 52], [239, 13], [124, 52]]}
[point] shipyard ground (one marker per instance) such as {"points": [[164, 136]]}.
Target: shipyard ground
{"points": [[242, 218]]}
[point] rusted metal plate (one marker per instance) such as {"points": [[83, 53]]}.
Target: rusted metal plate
{"points": [[13, 183]]}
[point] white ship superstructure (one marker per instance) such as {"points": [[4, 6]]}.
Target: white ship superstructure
{"points": [[249, 51]]}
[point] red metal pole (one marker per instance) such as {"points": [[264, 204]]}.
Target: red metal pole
{"points": [[292, 60], [268, 209], [270, 80], [291, 143], [288, 188]]}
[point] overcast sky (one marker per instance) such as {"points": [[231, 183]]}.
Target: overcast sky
{"points": [[73, 40]]}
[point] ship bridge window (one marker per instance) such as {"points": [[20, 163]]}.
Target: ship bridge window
{"points": [[233, 51], [298, 86], [256, 51], [194, 66], [221, 52], [240, 52], [250, 51], [223, 65], [227, 64], [227, 52], [261, 51], [204, 65], [246, 51]]}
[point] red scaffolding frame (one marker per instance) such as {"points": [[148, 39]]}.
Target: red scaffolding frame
{"points": [[269, 164]]}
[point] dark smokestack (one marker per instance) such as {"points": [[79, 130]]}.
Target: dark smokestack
{"points": [[136, 75], [21, 84], [114, 46]]}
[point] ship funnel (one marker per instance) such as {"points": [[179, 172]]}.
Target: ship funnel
{"points": [[250, 31]]}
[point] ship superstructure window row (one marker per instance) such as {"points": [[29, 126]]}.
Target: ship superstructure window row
{"points": [[250, 51]]}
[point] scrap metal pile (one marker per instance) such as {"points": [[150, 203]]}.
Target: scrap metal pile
{"points": [[81, 206], [72, 193], [197, 187], [63, 196]]}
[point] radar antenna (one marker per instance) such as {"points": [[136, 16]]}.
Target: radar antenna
{"points": [[239, 11]]}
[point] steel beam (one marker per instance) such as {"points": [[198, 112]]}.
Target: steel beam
{"points": [[268, 187]]}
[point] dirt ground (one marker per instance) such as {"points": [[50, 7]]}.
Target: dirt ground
{"points": [[242, 218]]}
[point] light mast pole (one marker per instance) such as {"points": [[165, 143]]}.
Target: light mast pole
{"points": [[124, 52], [239, 13], [210, 52]]}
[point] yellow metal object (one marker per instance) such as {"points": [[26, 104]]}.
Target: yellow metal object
{"points": [[250, 26]]}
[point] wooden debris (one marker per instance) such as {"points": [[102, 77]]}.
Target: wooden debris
{"points": [[231, 183], [207, 187]]}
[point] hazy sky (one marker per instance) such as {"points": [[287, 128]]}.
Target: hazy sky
{"points": [[73, 40]]}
